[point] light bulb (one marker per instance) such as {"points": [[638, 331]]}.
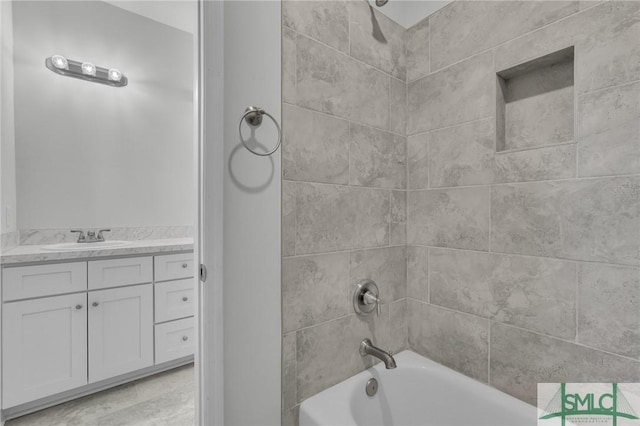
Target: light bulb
{"points": [[115, 74], [88, 68], [60, 62]]}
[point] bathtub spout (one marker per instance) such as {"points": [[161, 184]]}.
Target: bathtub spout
{"points": [[367, 348]]}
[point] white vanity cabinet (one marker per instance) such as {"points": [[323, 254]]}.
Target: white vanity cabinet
{"points": [[120, 331], [174, 302], [44, 347], [79, 326]]}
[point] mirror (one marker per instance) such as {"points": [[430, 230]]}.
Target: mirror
{"points": [[97, 125], [89, 155]]}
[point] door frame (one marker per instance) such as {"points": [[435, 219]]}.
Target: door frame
{"points": [[208, 242]]}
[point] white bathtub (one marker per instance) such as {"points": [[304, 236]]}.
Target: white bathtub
{"points": [[418, 392]]}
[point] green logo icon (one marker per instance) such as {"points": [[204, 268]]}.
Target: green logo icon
{"points": [[613, 405]]}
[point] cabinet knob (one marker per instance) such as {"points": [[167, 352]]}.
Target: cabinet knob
{"points": [[184, 265], [185, 338], [95, 303], [185, 298], [78, 306]]}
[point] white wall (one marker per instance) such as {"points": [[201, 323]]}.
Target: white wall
{"points": [[91, 155], [7, 141], [177, 13], [252, 319]]}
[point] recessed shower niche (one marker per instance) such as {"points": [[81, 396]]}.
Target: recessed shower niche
{"points": [[535, 106]]}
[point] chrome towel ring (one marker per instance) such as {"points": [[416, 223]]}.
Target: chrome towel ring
{"points": [[253, 116]]}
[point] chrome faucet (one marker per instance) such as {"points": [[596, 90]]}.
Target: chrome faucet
{"points": [[91, 236], [367, 348]]}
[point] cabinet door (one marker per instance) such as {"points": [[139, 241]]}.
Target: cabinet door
{"points": [[44, 347], [120, 331]]}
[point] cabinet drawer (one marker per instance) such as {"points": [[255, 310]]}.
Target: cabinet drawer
{"points": [[43, 280], [119, 272], [174, 299], [174, 340], [173, 266]]}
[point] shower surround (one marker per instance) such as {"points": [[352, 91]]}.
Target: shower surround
{"points": [[483, 167]]}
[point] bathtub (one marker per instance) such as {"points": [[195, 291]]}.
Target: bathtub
{"points": [[418, 392]]}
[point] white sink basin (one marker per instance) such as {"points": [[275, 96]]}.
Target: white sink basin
{"points": [[86, 246]]}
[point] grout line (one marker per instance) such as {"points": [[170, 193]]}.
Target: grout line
{"points": [[559, 259], [577, 289], [449, 126], [613, 86], [346, 185], [571, 179], [536, 148], [337, 117], [327, 253], [428, 274], [489, 351]]}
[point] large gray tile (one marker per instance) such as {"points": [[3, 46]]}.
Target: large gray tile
{"points": [[331, 82], [315, 147], [548, 163], [588, 219], [609, 301], [386, 266], [418, 273], [314, 289], [288, 218], [521, 359], [609, 131], [418, 161], [462, 155], [320, 346], [460, 93], [605, 39], [454, 339], [417, 50], [398, 327], [539, 108], [82, 411], [291, 416], [398, 107], [534, 293], [456, 218], [288, 65], [610, 53], [376, 39], [398, 221], [326, 21], [377, 158], [331, 218], [463, 28], [289, 382]]}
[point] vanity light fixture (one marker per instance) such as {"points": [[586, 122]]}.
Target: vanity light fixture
{"points": [[60, 62], [86, 71], [115, 74]]}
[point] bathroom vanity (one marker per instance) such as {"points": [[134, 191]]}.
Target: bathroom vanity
{"points": [[77, 322]]}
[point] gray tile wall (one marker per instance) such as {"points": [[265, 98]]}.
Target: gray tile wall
{"points": [[344, 190], [512, 266], [523, 261]]}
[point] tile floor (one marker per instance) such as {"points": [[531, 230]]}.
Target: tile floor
{"points": [[166, 399]]}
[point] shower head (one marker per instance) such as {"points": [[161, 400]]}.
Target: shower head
{"points": [[381, 3]]}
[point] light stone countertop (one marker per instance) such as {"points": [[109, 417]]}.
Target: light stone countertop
{"points": [[36, 253]]}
